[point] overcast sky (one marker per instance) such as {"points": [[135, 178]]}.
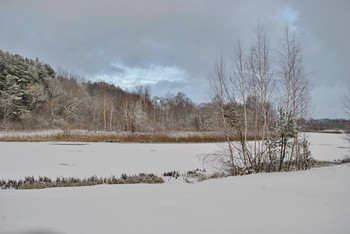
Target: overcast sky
{"points": [[171, 44]]}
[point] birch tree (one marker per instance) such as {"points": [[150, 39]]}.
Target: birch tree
{"points": [[294, 85], [346, 101], [294, 90], [223, 95], [245, 96], [262, 85]]}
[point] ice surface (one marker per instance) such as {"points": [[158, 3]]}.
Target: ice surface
{"points": [[105, 159], [102, 159]]}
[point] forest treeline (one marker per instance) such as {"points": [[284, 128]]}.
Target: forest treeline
{"points": [[35, 96]]}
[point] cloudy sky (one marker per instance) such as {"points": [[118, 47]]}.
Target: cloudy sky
{"points": [[171, 44]]}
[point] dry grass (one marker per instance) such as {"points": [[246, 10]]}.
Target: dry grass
{"points": [[90, 136], [327, 131], [44, 182], [105, 136]]}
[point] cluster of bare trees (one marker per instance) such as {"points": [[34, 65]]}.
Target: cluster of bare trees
{"points": [[346, 100], [324, 125], [103, 106], [247, 90], [34, 96]]}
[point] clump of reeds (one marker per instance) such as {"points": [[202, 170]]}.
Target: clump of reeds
{"points": [[31, 182], [91, 136], [174, 174]]}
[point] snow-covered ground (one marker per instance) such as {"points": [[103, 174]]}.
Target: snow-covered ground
{"points": [[329, 147], [313, 201]]}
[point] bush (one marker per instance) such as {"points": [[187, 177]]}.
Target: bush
{"points": [[200, 175], [345, 159]]}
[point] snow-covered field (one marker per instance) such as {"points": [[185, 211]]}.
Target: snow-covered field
{"points": [[313, 201]]}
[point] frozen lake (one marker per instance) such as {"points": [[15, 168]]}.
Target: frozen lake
{"points": [[101, 159], [66, 159]]}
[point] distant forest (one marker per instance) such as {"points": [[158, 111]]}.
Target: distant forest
{"points": [[35, 96]]}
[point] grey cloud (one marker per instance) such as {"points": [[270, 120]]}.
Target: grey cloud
{"points": [[115, 70], [86, 37], [325, 25], [162, 88]]}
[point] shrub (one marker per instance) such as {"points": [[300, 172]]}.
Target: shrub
{"points": [[174, 174]]}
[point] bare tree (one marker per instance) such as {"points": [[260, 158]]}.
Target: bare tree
{"points": [[223, 95], [240, 81], [138, 118], [294, 90], [346, 100], [67, 103], [7, 105], [262, 83], [107, 110], [346, 103], [37, 95]]}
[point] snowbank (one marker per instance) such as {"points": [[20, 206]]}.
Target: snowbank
{"points": [[313, 201]]}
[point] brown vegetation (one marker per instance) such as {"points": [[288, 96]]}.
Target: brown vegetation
{"points": [[90, 136], [44, 182]]}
